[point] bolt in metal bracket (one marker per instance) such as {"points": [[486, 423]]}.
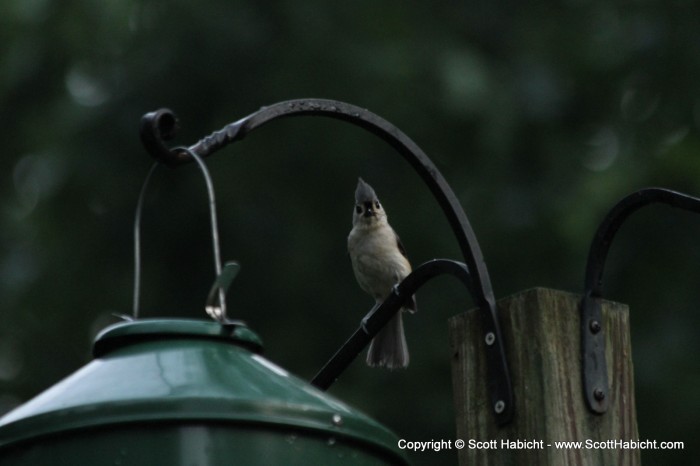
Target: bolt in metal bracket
{"points": [[594, 366]]}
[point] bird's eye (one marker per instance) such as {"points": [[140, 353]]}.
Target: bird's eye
{"points": [[377, 205], [358, 209]]}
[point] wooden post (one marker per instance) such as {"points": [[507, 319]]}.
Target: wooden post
{"points": [[541, 334]]}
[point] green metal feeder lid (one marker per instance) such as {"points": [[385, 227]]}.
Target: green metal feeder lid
{"points": [[155, 371]]}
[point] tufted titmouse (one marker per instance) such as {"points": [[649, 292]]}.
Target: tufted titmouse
{"points": [[379, 262]]}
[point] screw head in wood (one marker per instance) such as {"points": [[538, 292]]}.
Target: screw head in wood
{"points": [[599, 394]]}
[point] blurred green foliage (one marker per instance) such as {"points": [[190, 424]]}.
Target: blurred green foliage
{"points": [[541, 115]]}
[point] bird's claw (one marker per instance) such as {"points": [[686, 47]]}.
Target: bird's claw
{"points": [[363, 323], [365, 319]]}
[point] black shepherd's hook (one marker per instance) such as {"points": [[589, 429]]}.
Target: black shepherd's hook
{"points": [[161, 125], [595, 374]]}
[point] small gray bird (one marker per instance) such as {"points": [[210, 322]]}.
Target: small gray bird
{"points": [[379, 262]]}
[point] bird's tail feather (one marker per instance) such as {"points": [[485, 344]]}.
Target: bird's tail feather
{"points": [[388, 348]]}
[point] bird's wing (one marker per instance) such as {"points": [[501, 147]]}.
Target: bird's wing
{"points": [[411, 303], [400, 246]]}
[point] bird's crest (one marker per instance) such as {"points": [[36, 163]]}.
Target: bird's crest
{"points": [[364, 192]]}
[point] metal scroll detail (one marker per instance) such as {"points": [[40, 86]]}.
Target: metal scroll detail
{"points": [[595, 374], [161, 125]]}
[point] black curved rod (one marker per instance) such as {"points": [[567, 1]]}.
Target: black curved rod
{"points": [[382, 313], [605, 234], [161, 125], [595, 375]]}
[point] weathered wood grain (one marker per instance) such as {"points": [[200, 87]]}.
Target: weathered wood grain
{"points": [[542, 339]]}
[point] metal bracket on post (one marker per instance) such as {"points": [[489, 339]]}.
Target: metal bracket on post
{"points": [[595, 368], [595, 373], [158, 126]]}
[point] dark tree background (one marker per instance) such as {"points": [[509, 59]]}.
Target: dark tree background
{"points": [[541, 115]]}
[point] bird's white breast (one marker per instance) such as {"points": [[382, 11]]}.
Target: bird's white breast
{"points": [[377, 262]]}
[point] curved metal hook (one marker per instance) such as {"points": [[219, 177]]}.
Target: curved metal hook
{"points": [[215, 308], [612, 222], [158, 126], [382, 313], [161, 125], [595, 374]]}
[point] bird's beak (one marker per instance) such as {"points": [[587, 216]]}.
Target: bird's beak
{"points": [[369, 212]]}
